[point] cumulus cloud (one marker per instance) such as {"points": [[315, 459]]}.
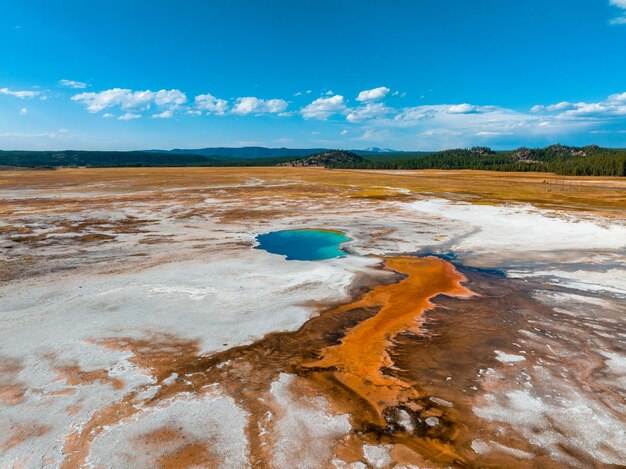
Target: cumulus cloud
{"points": [[323, 108], [619, 4], [19, 94], [129, 100], [618, 97], [614, 105], [129, 116], [96, 102], [170, 98], [79, 85], [374, 94], [486, 120], [552, 107], [462, 109], [252, 105], [369, 111], [108, 115], [451, 125], [446, 124], [167, 114], [209, 103]]}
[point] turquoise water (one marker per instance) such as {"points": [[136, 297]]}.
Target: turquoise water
{"points": [[303, 245]]}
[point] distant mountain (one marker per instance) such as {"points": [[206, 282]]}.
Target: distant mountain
{"points": [[379, 150], [262, 152], [327, 158], [73, 158]]}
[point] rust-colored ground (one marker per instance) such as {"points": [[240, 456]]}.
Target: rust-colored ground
{"points": [[349, 355], [359, 361]]}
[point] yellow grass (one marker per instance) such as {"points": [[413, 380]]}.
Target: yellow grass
{"points": [[606, 195]]}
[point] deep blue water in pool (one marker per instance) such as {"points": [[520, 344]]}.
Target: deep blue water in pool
{"points": [[303, 245]]}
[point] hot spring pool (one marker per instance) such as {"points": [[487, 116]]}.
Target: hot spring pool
{"points": [[304, 245]]}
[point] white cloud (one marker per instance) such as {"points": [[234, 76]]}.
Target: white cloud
{"points": [[462, 109], [419, 113], [129, 100], [128, 116], [126, 99], [19, 94], [170, 98], [619, 4], [167, 114], [323, 108], [369, 111], [252, 105], [108, 115], [435, 126], [618, 97], [373, 94], [553, 107], [137, 100], [614, 105], [209, 103], [73, 84], [344, 132], [23, 111], [31, 135]]}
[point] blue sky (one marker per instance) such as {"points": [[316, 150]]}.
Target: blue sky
{"points": [[409, 75]]}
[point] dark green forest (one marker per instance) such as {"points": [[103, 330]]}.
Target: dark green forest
{"points": [[114, 159], [590, 160], [572, 161]]}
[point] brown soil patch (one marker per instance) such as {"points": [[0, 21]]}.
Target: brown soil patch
{"points": [[21, 433], [75, 376]]}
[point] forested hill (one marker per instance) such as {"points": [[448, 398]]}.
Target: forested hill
{"points": [[591, 160], [328, 159], [113, 159], [580, 161], [95, 159]]}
